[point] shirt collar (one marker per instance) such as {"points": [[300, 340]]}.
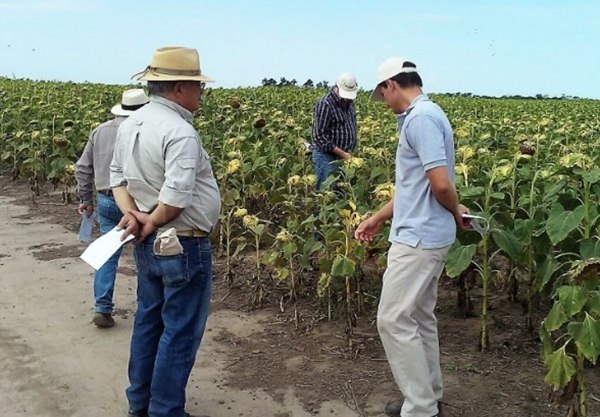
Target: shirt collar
{"points": [[337, 99], [417, 99], [333, 95], [184, 113]]}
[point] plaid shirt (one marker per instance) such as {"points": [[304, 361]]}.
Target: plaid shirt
{"points": [[334, 125]]}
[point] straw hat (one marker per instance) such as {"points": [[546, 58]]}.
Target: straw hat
{"points": [[173, 63], [130, 101]]}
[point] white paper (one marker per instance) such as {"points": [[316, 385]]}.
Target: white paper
{"points": [[87, 223], [480, 224], [103, 248]]}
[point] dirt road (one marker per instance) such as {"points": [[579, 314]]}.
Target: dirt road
{"points": [[55, 363]]}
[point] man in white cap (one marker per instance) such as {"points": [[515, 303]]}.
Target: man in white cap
{"points": [[164, 184], [334, 127], [93, 169], [424, 212]]}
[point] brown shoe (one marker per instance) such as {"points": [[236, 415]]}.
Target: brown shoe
{"points": [[103, 320]]}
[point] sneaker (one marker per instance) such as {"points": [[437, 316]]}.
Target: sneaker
{"points": [[103, 320], [394, 408]]}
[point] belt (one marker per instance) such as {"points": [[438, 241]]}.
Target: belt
{"points": [[192, 233], [106, 192]]}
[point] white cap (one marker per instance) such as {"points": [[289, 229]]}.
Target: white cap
{"points": [[347, 87], [390, 68], [130, 101]]}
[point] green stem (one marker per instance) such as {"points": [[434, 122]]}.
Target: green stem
{"points": [[586, 209], [581, 391], [485, 276], [292, 278]]}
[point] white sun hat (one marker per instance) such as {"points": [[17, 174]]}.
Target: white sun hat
{"points": [[130, 101], [347, 87], [390, 68]]}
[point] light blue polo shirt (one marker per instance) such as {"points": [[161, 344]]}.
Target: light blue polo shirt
{"points": [[426, 142]]}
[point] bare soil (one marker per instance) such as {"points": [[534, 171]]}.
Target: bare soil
{"points": [[282, 360]]}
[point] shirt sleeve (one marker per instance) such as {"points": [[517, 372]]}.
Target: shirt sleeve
{"points": [[321, 120], [117, 179], [426, 137], [181, 161], [84, 173]]}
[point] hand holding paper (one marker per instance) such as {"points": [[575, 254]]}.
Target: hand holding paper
{"points": [[478, 223]]}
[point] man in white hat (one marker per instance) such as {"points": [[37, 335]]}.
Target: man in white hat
{"points": [[424, 212], [163, 182], [93, 169], [334, 126]]}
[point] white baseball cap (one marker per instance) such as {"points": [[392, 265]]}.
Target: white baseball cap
{"points": [[390, 68], [347, 87]]}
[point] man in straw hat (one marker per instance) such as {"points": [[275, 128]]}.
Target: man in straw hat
{"points": [[93, 169], [334, 127], [164, 185], [424, 212]]}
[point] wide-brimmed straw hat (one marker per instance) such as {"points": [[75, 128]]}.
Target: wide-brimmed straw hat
{"points": [[130, 101], [174, 63]]}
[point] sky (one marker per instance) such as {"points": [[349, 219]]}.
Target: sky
{"points": [[483, 47]]}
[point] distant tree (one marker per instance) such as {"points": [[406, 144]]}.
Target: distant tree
{"points": [[293, 82], [309, 83], [268, 82], [283, 82]]}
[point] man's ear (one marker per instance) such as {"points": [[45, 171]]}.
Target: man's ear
{"points": [[178, 87]]}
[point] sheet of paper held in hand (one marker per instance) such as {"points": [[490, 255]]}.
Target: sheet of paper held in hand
{"points": [[103, 248], [480, 224]]}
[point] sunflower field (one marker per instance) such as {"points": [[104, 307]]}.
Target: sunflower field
{"points": [[530, 166]]}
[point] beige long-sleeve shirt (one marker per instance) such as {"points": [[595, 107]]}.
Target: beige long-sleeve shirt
{"points": [[159, 156], [93, 167]]}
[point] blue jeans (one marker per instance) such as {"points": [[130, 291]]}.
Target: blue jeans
{"points": [[173, 299], [109, 216], [323, 165]]}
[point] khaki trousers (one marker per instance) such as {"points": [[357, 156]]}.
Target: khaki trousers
{"points": [[408, 327]]}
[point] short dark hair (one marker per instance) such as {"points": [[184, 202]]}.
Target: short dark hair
{"points": [[406, 79], [160, 88]]}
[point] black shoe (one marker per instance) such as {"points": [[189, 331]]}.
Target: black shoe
{"points": [[144, 413], [138, 413], [394, 408]]}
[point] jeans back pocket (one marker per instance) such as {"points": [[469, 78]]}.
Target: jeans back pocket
{"points": [[174, 269]]}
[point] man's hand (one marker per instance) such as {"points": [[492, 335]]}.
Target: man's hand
{"points": [[147, 225], [130, 226], [340, 153], [368, 228], [464, 224], [87, 208]]}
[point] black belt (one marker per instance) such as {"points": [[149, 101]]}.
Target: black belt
{"points": [[108, 193]]}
